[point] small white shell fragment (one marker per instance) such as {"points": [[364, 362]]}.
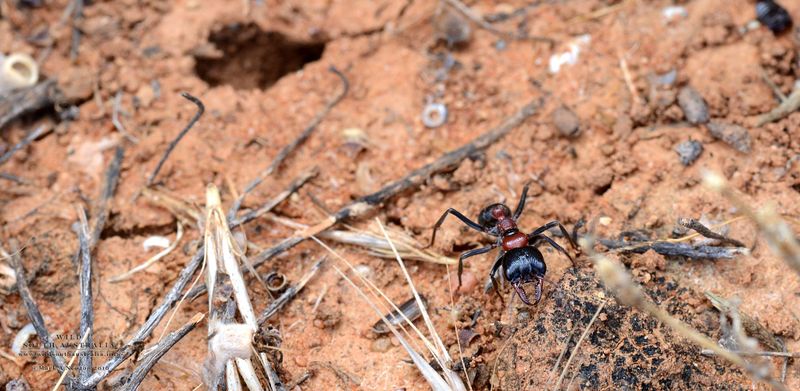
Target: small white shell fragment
{"points": [[22, 336], [604, 221], [673, 12], [363, 270], [155, 241], [569, 57]]}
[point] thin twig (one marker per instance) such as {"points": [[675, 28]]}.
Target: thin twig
{"points": [[295, 185], [477, 19], [29, 138], [306, 133], [706, 232], [147, 328], [200, 110], [71, 360], [87, 308], [116, 121], [14, 178], [27, 100], [577, 345], [35, 315], [751, 325], [155, 258], [103, 207], [787, 106], [77, 16], [779, 235], [563, 353], [674, 249], [775, 89], [158, 351], [708, 352], [288, 294], [441, 353]]}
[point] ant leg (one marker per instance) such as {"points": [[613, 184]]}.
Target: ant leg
{"points": [[564, 232], [537, 240], [521, 203], [471, 253], [458, 215], [495, 284]]}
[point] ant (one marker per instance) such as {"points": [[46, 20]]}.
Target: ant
{"points": [[520, 258]]}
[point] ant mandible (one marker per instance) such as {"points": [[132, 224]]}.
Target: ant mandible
{"points": [[520, 258]]}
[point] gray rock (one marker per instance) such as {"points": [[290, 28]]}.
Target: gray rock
{"points": [[735, 135], [567, 123], [18, 385], [693, 105], [689, 151]]}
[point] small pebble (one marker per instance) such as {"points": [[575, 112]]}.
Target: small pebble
{"points": [[566, 122], [381, 345], [689, 151], [735, 135], [18, 385], [452, 27], [666, 79], [468, 283], [76, 84], [523, 317], [772, 15], [693, 105]]}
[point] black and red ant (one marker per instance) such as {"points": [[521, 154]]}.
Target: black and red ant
{"points": [[520, 258]]}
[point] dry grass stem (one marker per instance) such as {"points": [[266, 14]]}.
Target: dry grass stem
{"points": [[71, 360], [779, 235], [577, 345]]}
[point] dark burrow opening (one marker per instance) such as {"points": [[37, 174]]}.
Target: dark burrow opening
{"points": [[247, 57]]}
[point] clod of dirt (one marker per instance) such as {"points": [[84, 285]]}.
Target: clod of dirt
{"points": [[327, 318], [772, 15], [624, 349], [381, 345], [76, 84], [693, 105], [735, 135], [566, 121], [252, 58], [689, 151], [451, 27], [468, 283]]}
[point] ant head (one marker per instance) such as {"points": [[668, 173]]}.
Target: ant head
{"points": [[492, 214]]}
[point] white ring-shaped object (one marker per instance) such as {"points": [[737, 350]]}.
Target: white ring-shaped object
{"points": [[434, 115], [17, 70]]}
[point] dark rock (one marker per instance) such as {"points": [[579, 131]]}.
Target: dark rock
{"points": [[689, 151], [735, 135], [772, 15], [693, 105]]}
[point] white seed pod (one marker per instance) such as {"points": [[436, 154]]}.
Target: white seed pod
{"points": [[229, 341], [17, 70]]}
